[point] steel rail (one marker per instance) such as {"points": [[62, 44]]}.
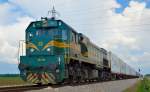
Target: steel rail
{"points": [[22, 88]]}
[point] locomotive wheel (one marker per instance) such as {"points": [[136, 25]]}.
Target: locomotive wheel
{"points": [[77, 69], [39, 84], [71, 72], [99, 75], [82, 75]]}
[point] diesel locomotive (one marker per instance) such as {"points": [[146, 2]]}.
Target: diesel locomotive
{"points": [[56, 53]]}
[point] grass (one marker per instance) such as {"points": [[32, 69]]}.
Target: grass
{"points": [[140, 86], [144, 85], [7, 81]]}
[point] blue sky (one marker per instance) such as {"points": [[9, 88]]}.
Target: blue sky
{"points": [[3, 1], [125, 3], [8, 68], [125, 41]]}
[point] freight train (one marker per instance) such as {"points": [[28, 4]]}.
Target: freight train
{"points": [[55, 53]]}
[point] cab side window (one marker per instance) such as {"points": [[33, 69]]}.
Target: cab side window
{"points": [[75, 37], [64, 35]]}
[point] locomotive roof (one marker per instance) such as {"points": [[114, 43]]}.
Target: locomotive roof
{"points": [[31, 23]]}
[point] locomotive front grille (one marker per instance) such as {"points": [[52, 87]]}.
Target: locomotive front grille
{"points": [[43, 78]]}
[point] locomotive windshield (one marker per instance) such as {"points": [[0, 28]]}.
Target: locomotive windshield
{"points": [[49, 33], [52, 33]]}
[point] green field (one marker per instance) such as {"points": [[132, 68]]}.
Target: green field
{"points": [[6, 81], [140, 86]]}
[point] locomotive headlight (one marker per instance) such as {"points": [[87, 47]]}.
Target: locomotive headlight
{"points": [[31, 50], [48, 49], [30, 35], [57, 70]]}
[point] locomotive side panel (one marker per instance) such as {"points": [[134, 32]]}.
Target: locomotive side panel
{"points": [[95, 55]]}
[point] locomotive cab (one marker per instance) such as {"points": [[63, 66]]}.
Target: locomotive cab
{"points": [[43, 37]]}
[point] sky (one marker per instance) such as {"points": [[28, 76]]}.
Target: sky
{"points": [[120, 26]]}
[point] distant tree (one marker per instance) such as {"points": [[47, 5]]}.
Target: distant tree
{"points": [[9, 75], [147, 75]]}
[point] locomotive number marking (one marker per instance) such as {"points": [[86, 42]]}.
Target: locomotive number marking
{"points": [[41, 59]]}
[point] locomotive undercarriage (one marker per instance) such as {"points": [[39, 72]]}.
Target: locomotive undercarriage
{"points": [[80, 72], [83, 72]]}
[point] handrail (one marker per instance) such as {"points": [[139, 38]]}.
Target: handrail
{"points": [[21, 49]]}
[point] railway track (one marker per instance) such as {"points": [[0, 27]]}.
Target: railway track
{"points": [[38, 87], [106, 86], [22, 88]]}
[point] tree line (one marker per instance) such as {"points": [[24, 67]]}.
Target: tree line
{"points": [[9, 75]]}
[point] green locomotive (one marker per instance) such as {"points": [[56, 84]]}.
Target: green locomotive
{"points": [[55, 53]]}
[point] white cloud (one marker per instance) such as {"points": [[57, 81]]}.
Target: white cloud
{"points": [[8, 14], [34, 8], [141, 61], [120, 39], [145, 58], [135, 10], [9, 38]]}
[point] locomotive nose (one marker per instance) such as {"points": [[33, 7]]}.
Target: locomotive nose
{"points": [[42, 69], [38, 74]]}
